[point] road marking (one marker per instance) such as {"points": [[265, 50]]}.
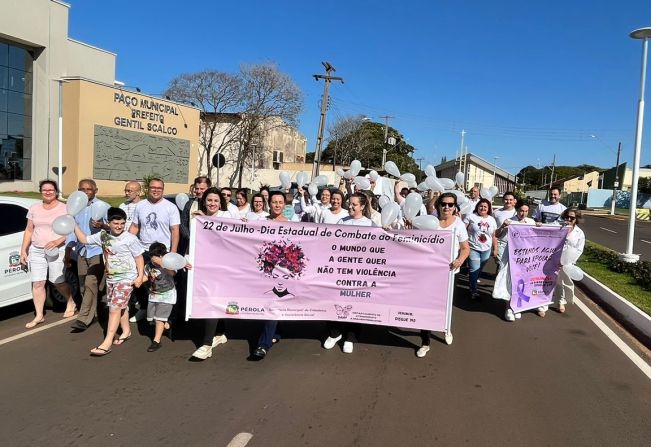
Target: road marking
{"points": [[636, 359], [646, 242], [240, 440], [606, 229], [36, 330]]}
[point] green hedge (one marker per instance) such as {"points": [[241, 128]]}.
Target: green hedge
{"points": [[640, 270]]}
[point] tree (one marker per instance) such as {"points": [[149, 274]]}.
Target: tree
{"points": [[270, 99], [237, 110], [534, 178], [355, 138], [214, 93]]}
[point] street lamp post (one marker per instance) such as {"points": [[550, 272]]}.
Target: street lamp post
{"points": [[642, 34]]}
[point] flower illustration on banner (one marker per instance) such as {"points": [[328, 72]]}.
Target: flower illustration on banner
{"points": [[281, 260]]}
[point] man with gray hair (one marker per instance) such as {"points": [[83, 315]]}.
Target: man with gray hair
{"points": [[90, 262]]}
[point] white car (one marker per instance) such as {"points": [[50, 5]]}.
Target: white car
{"points": [[15, 284]]}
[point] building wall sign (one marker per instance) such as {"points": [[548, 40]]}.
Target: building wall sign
{"points": [[146, 114]]}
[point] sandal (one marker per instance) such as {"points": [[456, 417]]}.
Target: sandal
{"points": [[99, 352], [118, 341], [34, 322], [68, 313]]}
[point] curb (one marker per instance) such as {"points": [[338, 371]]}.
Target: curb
{"points": [[633, 319]]}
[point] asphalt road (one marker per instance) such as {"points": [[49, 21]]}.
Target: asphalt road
{"points": [[612, 233], [550, 381]]}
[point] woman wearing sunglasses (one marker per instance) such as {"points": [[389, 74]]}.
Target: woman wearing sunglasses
{"points": [[564, 292], [447, 208]]}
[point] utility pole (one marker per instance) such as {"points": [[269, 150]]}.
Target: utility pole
{"points": [[324, 108], [616, 183], [386, 138], [461, 154], [420, 163]]}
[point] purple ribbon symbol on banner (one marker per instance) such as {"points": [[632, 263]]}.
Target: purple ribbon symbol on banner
{"points": [[521, 295]]}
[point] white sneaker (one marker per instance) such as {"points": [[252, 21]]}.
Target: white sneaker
{"points": [[518, 315], [509, 315], [348, 347], [422, 351], [140, 315], [331, 342], [219, 340], [203, 352]]}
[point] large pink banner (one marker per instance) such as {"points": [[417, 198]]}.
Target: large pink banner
{"points": [[534, 261], [306, 271]]}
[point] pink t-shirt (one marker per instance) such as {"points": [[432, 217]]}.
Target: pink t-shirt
{"points": [[42, 220]]}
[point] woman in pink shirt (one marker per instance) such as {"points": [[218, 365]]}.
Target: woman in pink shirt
{"points": [[43, 250]]}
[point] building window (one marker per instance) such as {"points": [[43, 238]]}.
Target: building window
{"points": [[16, 84]]}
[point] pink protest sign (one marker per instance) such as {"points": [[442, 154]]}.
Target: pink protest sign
{"points": [[534, 261], [304, 271]]}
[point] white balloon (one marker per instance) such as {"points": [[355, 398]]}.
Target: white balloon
{"points": [[467, 208], [64, 225], [52, 252], [98, 210], [373, 175], [301, 179], [321, 180], [412, 184], [339, 172], [433, 184], [422, 186], [77, 201], [493, 190], [390, 214], [392, 169], [313, 189], [181, 200], [362, 182], [446, 183], [430, 171], [485, 193], [574, 272], [570, 255], [461, 199], [383, 201], [349, 174], [426, 222], [173, 261], [356, 166], [460, 179], [408, 177], [286, 185], [459, 195], [284, 177], [413, 202]]}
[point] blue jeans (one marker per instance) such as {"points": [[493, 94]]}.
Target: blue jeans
{"points": [[476, 262], [268, 334]]}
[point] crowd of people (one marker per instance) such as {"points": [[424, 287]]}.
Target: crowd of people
{"points": [[118, 259]]}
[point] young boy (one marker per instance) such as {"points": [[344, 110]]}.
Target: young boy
{"points": [[124, 271], [162, 294]]}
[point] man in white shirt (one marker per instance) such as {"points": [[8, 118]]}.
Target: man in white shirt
{"points": [[474, 197], [549, 211], [154, 220], [132, 192]]}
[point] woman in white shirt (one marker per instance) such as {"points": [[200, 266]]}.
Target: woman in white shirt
{"points": [[336, 212], [212, 204], [317, 205], [564, 292], [447, 207], [242, 203], [481, 236], [359, 215], [258, 212], [502, 287]]}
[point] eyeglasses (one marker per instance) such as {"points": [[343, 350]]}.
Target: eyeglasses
{"points": [[570, 218], [48, 190], [447, 205], [154, 188]]}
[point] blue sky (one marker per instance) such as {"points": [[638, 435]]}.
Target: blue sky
{"points": [[526, 80]]}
